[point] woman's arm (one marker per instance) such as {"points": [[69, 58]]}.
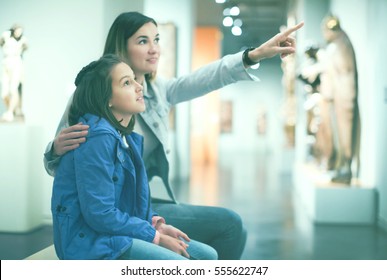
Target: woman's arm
{"points": [[229, 69]]}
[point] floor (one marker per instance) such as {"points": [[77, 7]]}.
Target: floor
{"points": [[259, 187]]}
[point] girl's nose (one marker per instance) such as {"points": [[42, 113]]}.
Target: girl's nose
{"points": [[139, 87]]}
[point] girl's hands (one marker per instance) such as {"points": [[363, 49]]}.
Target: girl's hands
{"points": [[172, 232], [176, 245]]}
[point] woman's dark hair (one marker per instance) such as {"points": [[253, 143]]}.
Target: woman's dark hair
{"points": [[124, 26], [94, 91]]}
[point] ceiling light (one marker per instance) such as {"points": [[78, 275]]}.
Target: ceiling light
{"points": [[234, 11], [228, 21], [220, 1], [226, 12], [238, 22], [236, 31]]}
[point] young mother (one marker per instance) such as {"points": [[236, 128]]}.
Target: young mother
{"points": [[134, 37]]}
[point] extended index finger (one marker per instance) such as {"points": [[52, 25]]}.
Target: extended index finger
{"points": [[290, 30]]}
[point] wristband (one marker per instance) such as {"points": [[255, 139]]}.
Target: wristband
{"points": [[246, 59]]}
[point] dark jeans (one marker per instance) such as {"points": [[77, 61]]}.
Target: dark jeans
{"points": [[217, 227]]}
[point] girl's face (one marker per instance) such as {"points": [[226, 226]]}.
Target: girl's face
{"points": [[144, 50], [127, 98]]}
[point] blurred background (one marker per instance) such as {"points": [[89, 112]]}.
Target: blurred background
{"points": [[245, 147]]}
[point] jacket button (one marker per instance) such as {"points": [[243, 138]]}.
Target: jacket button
{"points": [[115, 179], [81, 235], [155, 125], [64, 209]]}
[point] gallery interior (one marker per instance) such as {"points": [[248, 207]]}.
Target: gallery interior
{"points": [[256, 147]]}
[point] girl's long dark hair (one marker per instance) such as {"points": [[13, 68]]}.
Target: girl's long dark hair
{"points": [[94, 91]]}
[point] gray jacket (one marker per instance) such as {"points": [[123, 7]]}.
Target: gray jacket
{"points": [[160, 95]]}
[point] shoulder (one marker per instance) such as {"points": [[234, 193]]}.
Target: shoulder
{"points": [[98, 125], [101, 134]]}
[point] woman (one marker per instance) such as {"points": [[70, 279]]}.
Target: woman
{"points": [[134, 38], [101, 202]]}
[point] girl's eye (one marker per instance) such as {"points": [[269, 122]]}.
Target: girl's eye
{"points": [[157, 40], [142, 42], [126, 83]]}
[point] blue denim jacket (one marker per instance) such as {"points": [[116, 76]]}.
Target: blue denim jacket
{"points": [[100, 199]]}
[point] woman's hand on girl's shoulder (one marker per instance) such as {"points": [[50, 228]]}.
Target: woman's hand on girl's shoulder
{"points": [[69, 139]]}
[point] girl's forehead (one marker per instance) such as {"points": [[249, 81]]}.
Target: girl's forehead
{"points": [[121, 69]]}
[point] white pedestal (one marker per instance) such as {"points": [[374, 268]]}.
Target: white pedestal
{"points": [[327, 202], [21, 163]]}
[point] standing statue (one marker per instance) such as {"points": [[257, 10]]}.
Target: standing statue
{"points": [[334, 76], [340, 119], [13, 44]]}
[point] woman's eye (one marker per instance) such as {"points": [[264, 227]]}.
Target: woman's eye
{"points": [[142, 42], [126, 83], [157, 40]]}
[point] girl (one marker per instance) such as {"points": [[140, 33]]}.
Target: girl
{"points": [[101, 202]]}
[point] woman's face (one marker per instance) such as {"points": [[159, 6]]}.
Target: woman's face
{"points": [[127, 98], [144, 50]]}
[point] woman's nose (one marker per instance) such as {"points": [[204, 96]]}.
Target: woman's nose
{"points": [[154, 48]]}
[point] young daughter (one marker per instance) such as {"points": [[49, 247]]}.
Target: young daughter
{"points": [[101, 201]]}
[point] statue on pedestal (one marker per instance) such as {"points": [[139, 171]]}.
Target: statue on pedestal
{"points": [[13, 44], [339, 126]]}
